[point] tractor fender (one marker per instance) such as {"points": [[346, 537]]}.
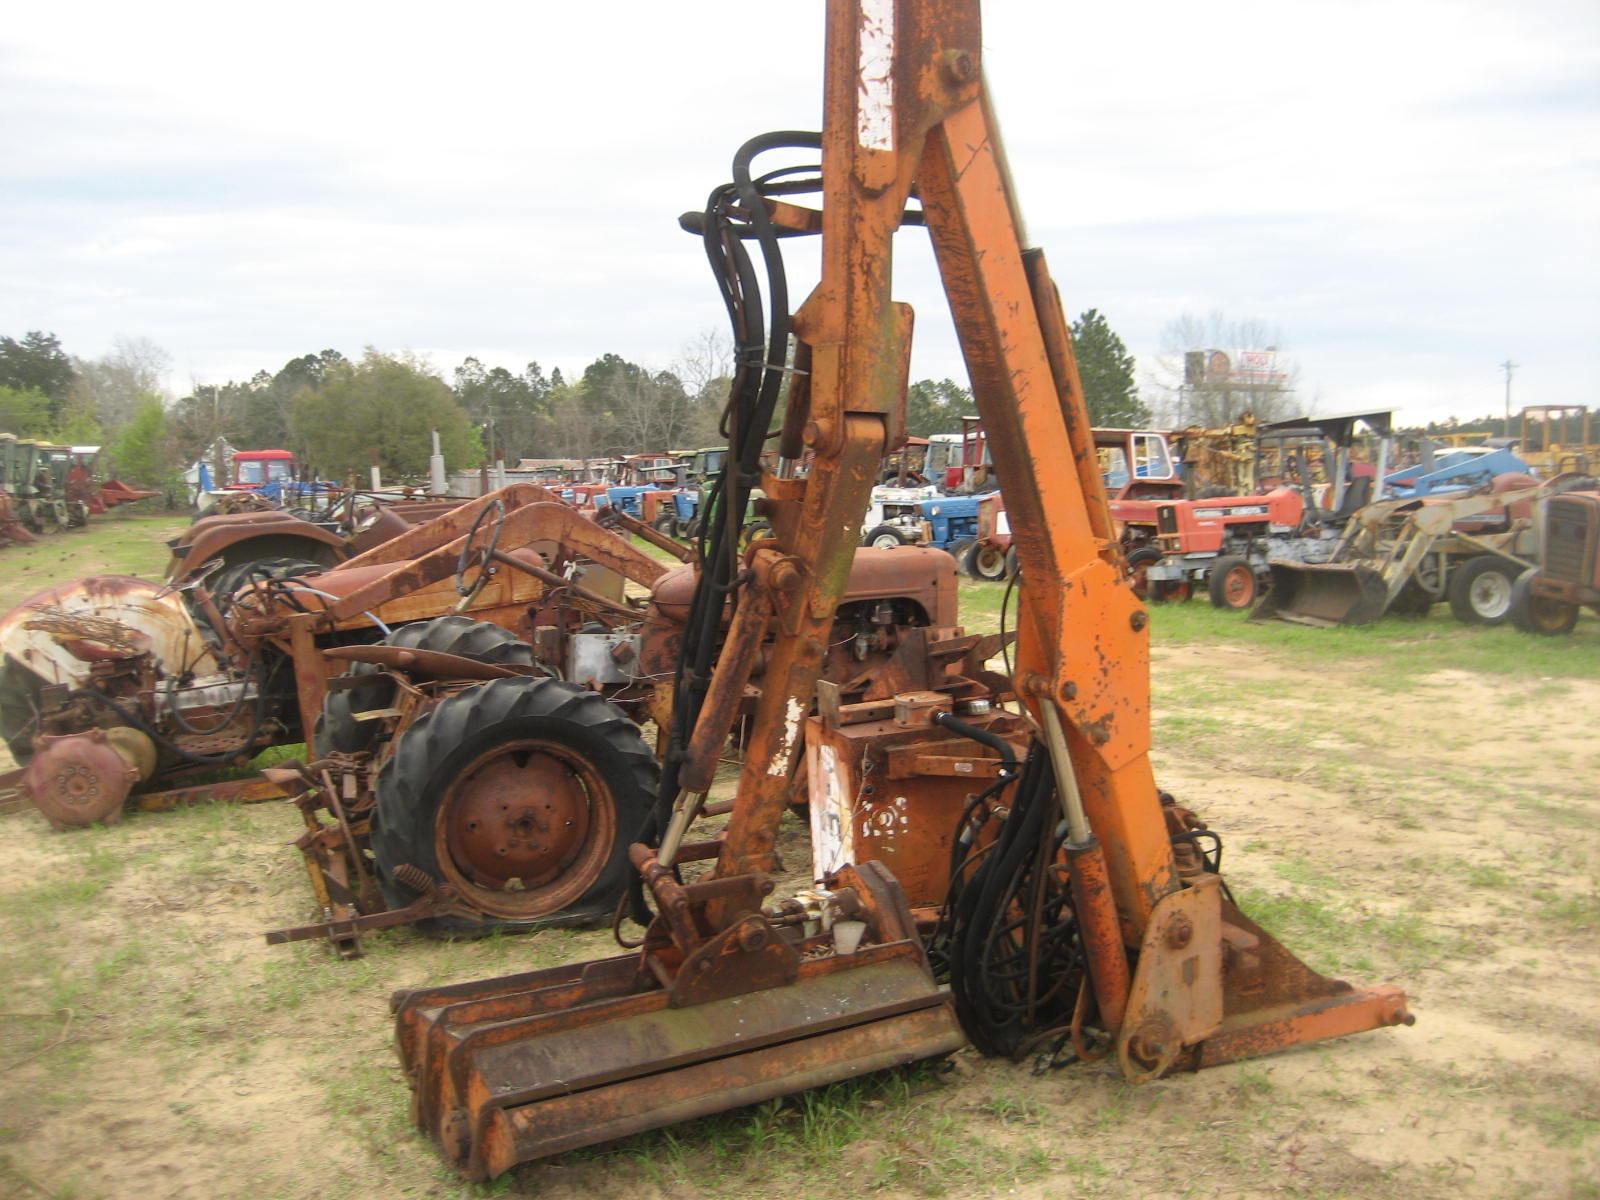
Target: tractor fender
{"points": [[151, 618], [240, 541]]}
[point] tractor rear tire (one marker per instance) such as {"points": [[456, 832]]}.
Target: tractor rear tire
{"points": [[1232, 583], [985, 562], [19, 702], [958, 551], [1480, 590], [522, 795], [885, 537], [668, 524], [1011, 562], [1536, 614], [339, 731]]}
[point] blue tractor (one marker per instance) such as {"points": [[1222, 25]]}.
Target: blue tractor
{"points": [[1455, 470], [943, 522]]}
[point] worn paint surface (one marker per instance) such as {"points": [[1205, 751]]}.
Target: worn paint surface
{"points": [[142, 608]]}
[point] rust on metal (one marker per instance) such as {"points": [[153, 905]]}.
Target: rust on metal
{"points": [[253, 790], [732, 998], [423, 664], [513, 832], [79, 779]]}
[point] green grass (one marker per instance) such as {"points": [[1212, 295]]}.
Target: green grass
{"points": [[1331, 933], [1400, 648], [892, 1130], [1578, 912], [109, 545], [1560, 1126]]}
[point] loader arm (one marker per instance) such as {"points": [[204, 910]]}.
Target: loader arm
{"points": [[732, 998]]}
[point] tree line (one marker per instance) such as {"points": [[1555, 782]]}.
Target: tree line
{"points": [[342, 415]]}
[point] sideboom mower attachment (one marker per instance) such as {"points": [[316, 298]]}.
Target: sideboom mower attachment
{"points": [[525, 1066]]}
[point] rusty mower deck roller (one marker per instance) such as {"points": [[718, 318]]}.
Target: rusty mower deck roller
{"points": [[1087, 907]]}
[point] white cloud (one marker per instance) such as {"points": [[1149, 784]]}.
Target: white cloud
{"points": [[1411, 190]]}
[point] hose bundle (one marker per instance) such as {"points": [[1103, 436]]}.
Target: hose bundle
{"points": [[734, 213], [1007, 936]]}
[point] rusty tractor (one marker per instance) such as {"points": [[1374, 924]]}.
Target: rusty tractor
{"points": [[113, 684], [1077, 907], [1546, 597], [468, 781]]}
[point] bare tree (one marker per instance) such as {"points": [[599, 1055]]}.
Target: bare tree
{"points": [[651, 411], [704, 361], [575, 425], [1253, 373], [114, 385]]}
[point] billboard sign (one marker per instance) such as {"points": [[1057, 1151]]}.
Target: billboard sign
{"points": [[1244, 369]]}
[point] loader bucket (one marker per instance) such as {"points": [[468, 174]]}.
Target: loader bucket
{"points": [[1323, 594], [508, 1070]]}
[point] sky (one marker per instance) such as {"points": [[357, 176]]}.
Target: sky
{"points": [[1409, 192]]}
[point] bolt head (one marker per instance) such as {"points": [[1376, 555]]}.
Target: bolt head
{"points": [[960, 67], [1180, 933]]}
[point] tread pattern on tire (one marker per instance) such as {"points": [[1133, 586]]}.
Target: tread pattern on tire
{"points": [[1524, 617], [19, 696], [408, 790], [338, 730]]}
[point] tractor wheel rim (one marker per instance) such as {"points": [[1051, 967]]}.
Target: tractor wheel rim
{"points": [[1548, 614], [991, 562], [525, 829], [1238, 586], [885, 542], [1490, 595]]}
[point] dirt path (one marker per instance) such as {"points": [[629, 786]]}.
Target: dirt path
{"points": [[1435, 833]]}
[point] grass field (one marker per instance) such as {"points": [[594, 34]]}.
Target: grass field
{"points": [[1410, 803]]}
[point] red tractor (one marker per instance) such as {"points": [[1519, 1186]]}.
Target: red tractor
{"points": [[1546, 598]]}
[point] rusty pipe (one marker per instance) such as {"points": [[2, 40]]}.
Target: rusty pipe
{"points": [[737, 660], [544, 575], [1099, 930], [671, 900]]}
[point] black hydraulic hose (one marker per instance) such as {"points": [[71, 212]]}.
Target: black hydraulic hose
{"points": [[756, 389], [982, 736], [761, 333], [984, 903], [168, 692]]}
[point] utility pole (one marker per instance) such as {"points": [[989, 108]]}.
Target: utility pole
{"points": [[1509, 368]]}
